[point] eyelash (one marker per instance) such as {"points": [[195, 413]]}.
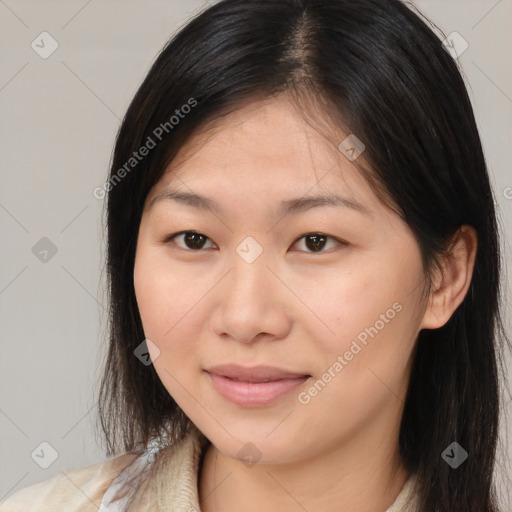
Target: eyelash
{"points": [[169, 238]]}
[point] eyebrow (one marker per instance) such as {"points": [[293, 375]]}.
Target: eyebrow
{"points": [[287, 207]]}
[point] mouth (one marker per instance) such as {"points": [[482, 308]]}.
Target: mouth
{"points": [[254, 387]]}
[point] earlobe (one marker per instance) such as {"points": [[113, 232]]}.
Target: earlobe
{"points": [[453, 281]]}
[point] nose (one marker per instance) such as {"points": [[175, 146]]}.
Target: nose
{"points": [[251, 303]]}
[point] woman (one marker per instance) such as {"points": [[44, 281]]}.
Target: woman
{"points": [[304, 274]]}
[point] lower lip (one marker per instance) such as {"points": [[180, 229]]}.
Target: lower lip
{"points": [[254, 394]]}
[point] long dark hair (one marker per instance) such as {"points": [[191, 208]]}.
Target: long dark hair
{"points": [[375, 69]]}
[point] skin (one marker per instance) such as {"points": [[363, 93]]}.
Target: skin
{"points": [[293, 308]]}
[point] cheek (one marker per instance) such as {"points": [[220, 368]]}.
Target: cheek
{"points": [[371, 295], [167, 313], [364, 367], [162, 294], [169, 302], [373, 319]]}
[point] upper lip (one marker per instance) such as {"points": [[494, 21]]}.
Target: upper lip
{"points": [[254, 373]]}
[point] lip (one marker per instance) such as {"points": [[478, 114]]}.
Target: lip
{"points": [[256, 386]]}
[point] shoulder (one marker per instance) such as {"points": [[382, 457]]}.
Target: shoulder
{"points": [[78, 490]]}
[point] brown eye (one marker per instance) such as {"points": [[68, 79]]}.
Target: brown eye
{"points": [[316, 242], [191, 240]]}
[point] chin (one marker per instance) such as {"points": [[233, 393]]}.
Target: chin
{"points": [[256, 446]]}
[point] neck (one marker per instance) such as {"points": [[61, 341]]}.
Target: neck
{"points": [[363, 475]]}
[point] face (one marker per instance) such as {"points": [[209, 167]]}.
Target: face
{"points": [[258, 274]]}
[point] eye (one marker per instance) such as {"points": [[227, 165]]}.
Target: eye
{"points": [[317, 241], [192, 240], [195, 241]]}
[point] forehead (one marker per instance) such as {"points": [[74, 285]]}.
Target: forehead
{"points": [[265, 150]]}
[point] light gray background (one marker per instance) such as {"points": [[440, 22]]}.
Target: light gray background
{"points": [[59, 117]]}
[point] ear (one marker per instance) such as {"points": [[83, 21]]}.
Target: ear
{"points": [[452, 283]]}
